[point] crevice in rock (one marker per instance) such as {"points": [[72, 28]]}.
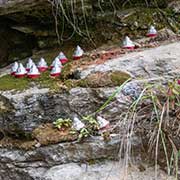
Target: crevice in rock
{"points": [[14, 45], [1, 135]]}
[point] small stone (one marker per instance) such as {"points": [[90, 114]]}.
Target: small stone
{"points": [[38, 145], [132, 89], [77, 124], [103, 123]]}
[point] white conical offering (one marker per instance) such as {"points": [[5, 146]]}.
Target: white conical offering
{"points": [[14, 68], [127, 43], [21, 71], [78, 53], [103, 123], [62, 58], [77, 124], [42, 65], [152, 32], [56, 71], [56, 62], [29, 64], [34, 72]]}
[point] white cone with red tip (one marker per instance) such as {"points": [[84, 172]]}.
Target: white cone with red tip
{"points": [[56, 71], [77, 124], [21, 71], [34, 72], [78, 53], [62, 58], [178, 81], [56, 62], [103, 123], [42, 65], [127, 43], [14, 68], [152, 32], [29, 64]]}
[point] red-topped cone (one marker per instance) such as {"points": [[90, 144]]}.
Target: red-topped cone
{"points": [[34, 72], [103, 123], [152, 32], [178, 81], [78, 53], [128, 44], [42, 65], [21, 71], [56, 62], [62, 58], [56, 71], [29, 64], [14, 68]]}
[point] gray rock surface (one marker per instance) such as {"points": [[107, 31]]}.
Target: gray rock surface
{"points": [[8, 6], [35, 106], [105, 170], [102, 171], [161, 62], [41, 163]]}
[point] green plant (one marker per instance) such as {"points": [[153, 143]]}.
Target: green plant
{"points": [[91, 122], [117, 91], [164, 100], [63, 123], [106, 136], [84, 132], [156, 104]]}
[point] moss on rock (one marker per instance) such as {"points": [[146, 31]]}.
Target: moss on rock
{"points": [[8, 82], [119, 77], [99, 79]]}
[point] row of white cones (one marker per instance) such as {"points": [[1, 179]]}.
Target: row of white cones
{"points": [[103, 124], [33, 71], [128, 44]]}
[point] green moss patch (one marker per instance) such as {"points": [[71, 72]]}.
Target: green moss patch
{"points": [[119, 77], [8, 83], [11, 83]]}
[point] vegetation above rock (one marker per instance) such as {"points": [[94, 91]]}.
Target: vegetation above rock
{"points": [[47, 25]]}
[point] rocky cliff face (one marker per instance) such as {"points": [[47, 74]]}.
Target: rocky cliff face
{"points": [[22, 112], [28, 26]]}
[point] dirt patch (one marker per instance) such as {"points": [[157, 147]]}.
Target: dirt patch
{"points": [[8, 142], [47, 134]]}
